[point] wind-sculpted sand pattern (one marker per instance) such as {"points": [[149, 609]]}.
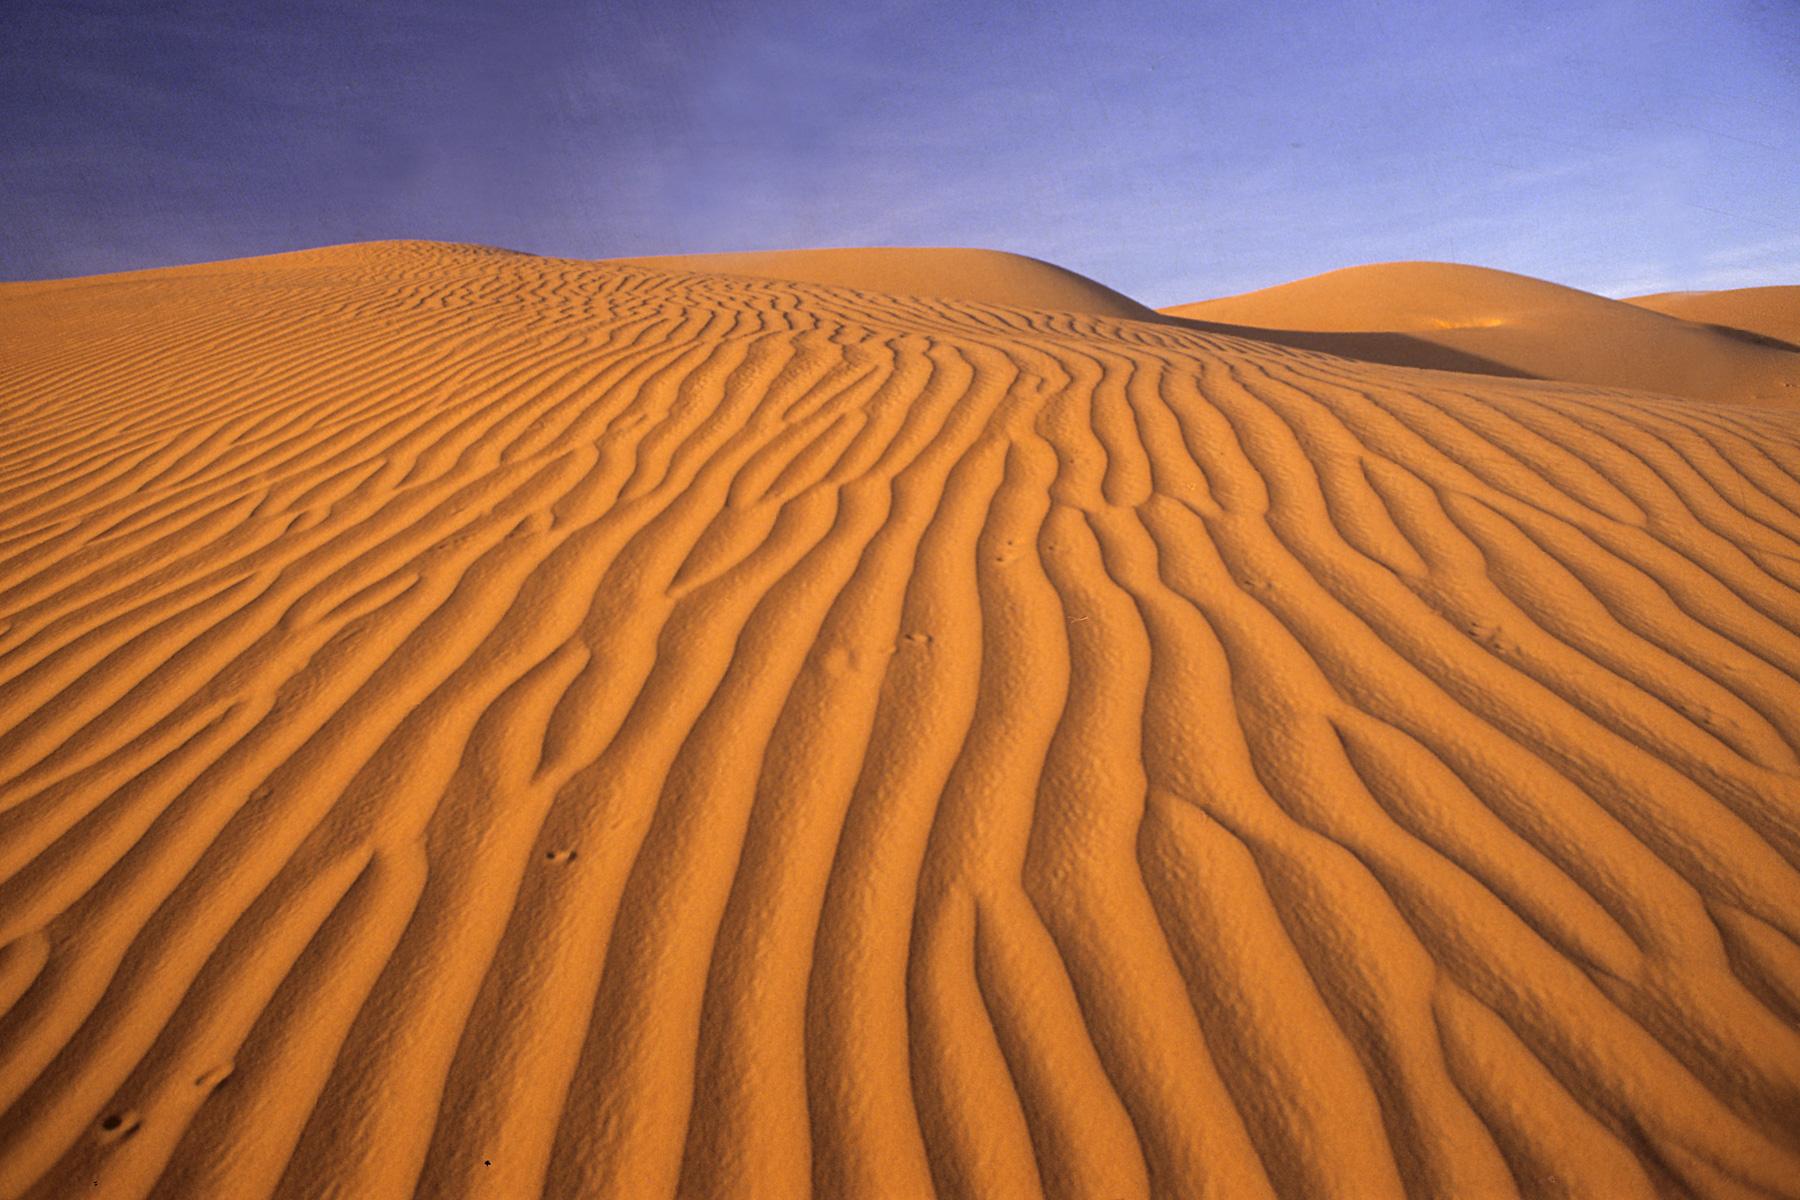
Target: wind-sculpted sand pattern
{"points": [[478, 725]]}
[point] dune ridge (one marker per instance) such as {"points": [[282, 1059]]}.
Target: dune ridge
{"points": [[474, 724], [1761, 312], [981, 276], [1456, 317]]}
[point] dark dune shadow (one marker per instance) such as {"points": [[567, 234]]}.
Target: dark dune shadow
{"points": [[1751, 336], [1392, 349]]}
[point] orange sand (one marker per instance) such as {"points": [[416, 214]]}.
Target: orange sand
{"points": [[1472, 318], [987, 277], [1767, 312], [475, 725]]}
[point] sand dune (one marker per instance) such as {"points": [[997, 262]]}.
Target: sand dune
{"points": [[982, 276], [482, 725], [1448, 316], [1764, 312]]}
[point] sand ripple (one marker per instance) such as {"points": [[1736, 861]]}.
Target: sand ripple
{"points": [[478, 725]]}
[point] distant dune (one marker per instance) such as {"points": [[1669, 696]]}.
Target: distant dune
{"points": [[1471, 318], [1768, 312], [479, 725]]}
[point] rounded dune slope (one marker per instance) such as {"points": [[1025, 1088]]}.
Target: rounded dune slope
{"points": [[1446, 315], [482, 725], [1761, 312], [982, 276]]}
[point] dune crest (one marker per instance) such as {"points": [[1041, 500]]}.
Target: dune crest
{"points": [[1761, 312], [980, 276], [1455, 317], [474, 724]]}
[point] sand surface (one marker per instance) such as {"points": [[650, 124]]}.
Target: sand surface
{"points": [[1765, 312], [984, 276], [475, 725], [1454, 317]]}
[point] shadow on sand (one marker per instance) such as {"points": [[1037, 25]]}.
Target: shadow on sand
{"points": [[1393, 349]]}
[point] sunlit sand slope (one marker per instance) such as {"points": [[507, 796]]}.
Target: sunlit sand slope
{"points": [[476, 725], [984, 276], [1474, 318], [1766, 312]]}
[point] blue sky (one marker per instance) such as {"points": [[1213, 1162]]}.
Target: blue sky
{"points": [[1173, 150]]}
